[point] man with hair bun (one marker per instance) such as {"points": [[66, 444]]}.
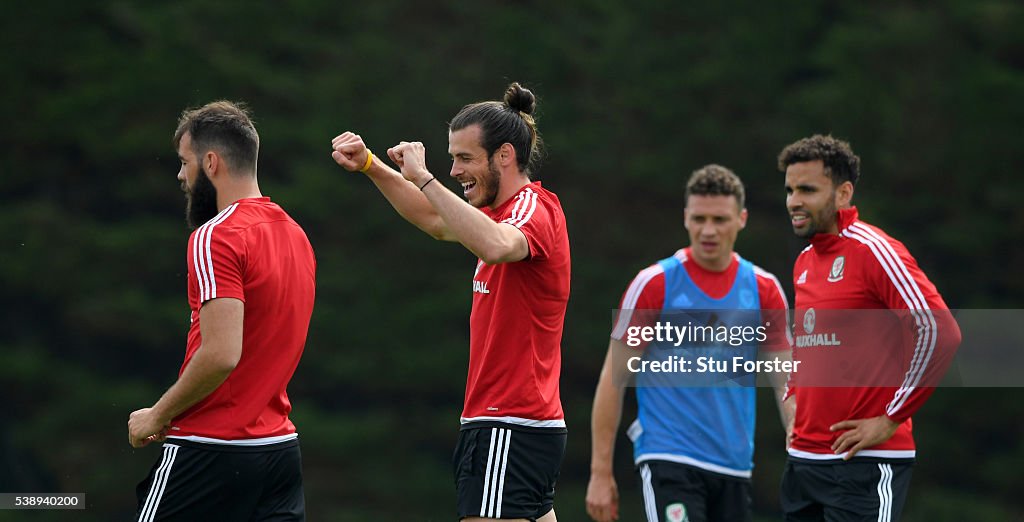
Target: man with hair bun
{"points": [[693, 439], [513, 433]]}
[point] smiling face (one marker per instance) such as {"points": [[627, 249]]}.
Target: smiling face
{"points": [[713, 223], [472, 168], [812, 199]]}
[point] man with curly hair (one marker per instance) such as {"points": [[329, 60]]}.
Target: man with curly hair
{"points": [[860, 298]]}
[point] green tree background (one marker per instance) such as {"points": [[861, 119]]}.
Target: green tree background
{"points": [[633, 97]]}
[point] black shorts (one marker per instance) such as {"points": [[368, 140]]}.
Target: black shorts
{"points": [[194, 481], [676, 492], [507, 472], [862, 490]]}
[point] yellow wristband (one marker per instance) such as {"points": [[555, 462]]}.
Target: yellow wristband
{"points": [[369, 161]]}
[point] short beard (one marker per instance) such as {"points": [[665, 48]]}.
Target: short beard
{"points": [[200, 201], [491, 184], [822, 221]]}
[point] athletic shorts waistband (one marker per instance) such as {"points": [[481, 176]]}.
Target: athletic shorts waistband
{"points": [[698, 469], [514, 427], [277, 446], [856, 458]]}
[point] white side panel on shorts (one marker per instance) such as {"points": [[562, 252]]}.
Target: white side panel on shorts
{"points": [[650, 506], [156, 489], [494, 476]]}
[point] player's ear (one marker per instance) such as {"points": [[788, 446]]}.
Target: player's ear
{"points": [[844, 194], [743, 219], [212, 163], [506, 154]]}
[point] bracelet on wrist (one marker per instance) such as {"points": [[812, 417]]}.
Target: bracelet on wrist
{"points": [[432, 178], [369, 161]]}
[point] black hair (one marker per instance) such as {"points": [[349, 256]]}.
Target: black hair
{"points": [[509, 121], [225, 127], [841, 164]]}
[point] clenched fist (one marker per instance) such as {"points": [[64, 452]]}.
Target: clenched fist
{"points": [[411, 158], [349, 151]]}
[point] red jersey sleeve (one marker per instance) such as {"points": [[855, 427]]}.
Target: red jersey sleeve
{"points": [[531, 214], [901, 285], [216, 261], [640, 305], [774, 312]]}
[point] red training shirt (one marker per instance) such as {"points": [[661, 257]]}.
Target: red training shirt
{"points": [[515, 327], [251, 251], [866, 314]]}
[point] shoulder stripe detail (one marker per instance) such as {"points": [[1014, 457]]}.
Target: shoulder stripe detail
{"points": [[529, 213], [778, 286], [681, 255], [201, 257], [926, 327], [515, 208], [632, 295], [916, 303], [200, 275], [526, 204], [785, 302]]}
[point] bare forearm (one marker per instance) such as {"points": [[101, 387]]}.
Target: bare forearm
{"points": [[778, 381], [605, 419], [201, 377], [490, 241], [785, 413], [408, 201]]}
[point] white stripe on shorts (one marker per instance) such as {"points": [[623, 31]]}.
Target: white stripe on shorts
{"points": [[494, 477], [885, 493], [650, 506], [156, 489], [504, 463]]}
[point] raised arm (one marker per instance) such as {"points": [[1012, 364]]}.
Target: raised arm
{"points": [[351, 153], [492, 242]]}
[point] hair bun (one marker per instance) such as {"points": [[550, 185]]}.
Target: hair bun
{"points": [[520, 98]]}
